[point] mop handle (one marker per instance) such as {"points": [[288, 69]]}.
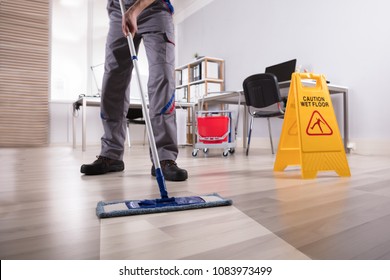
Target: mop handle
{"points": [[156, 161]]}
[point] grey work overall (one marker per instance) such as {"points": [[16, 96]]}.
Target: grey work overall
{"points": [[155, 28]]}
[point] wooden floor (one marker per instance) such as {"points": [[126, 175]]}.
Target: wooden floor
{"points": [[47, 209]]}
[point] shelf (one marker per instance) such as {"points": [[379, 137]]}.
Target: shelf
{"points": [[181, 86], [197, 61], [205, 81]]}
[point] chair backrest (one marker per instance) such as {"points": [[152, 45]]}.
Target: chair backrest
{"points": [[261, 90], [135, 115]]}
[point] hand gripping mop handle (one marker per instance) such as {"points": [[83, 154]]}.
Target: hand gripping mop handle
{"points": [[152, 142]]}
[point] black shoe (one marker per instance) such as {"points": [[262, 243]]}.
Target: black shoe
{"points": [[102, 165], [171, 171]]}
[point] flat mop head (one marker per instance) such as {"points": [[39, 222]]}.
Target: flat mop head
{"points": [[138, 207]]}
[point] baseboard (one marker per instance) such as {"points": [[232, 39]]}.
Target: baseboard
{"points": [[259, 143], [377, 147]]}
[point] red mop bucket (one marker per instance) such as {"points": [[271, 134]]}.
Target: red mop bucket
{"points": [[213, 129]]}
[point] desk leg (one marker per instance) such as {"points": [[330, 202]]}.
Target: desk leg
{"points": [[245, 127], [74, 127], [346, 125], [84, 122]]}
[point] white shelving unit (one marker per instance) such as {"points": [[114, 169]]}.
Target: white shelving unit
{"points": [[195, 80]]}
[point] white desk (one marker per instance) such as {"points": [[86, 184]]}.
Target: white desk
{"points": [[86, 102], [231, 97]]}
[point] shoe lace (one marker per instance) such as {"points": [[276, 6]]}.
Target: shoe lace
{"points": [[102, 158], [168, 162]]}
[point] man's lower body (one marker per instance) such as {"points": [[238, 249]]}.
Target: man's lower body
{"points": [[159, 46]]}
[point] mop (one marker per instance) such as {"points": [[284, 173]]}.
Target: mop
{"points": [[165, 203]]}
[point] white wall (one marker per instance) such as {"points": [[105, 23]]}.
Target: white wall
{"points": [[347, 40]]}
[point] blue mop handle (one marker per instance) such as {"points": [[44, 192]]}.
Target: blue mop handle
{"points": [[156, 161]]}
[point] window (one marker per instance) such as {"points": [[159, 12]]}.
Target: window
{"points": [[79, 30]]}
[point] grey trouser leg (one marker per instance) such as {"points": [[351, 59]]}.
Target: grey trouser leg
{"points": [[161, 85], [161, 90]]}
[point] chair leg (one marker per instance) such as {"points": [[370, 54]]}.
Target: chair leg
{"points": [[249, 136], [144, 134], [270, 136], [128, 134]]}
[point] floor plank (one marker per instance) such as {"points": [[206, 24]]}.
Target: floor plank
{"points": [[47, 208]]}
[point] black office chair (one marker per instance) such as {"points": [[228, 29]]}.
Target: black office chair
{"points": [[261, 92], [134, 116]]}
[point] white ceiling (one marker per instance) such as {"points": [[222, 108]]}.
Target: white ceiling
{"points": [[184, 8]]}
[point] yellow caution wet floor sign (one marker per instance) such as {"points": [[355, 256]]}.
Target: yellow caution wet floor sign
{"points": [[310, 135]]}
